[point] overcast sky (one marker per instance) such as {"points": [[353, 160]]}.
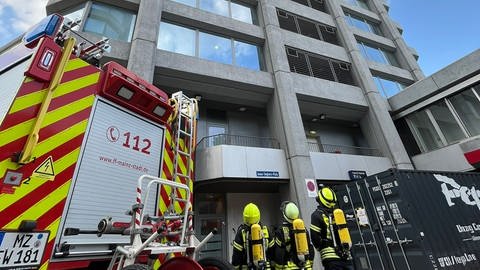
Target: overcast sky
{"points": [[442, 31]]}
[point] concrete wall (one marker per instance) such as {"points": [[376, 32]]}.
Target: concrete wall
{"points": [[269, 205], [449, 158], [239, 162], [336, 166]]}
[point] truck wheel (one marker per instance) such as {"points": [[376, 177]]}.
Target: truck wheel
{"points": [[215, 264], [136, 267]]}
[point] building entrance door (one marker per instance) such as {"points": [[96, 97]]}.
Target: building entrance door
{"points": [[210, 215]]}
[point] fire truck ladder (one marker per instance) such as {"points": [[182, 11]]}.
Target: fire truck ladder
{"points": [[183, 142]]}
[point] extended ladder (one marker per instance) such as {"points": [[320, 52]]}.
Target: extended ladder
{"points": [[183, 141]]}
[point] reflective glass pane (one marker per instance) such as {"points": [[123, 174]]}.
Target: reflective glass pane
{"points": [[246, 55], [392, 60], [362, 4], [467, 107], [187, 2], [374, 54], [177, 39], [219, 7], [424, 131], [215, 48], [241, 13], [447, 123], [357, 23], [388, 88], [109, 21]]}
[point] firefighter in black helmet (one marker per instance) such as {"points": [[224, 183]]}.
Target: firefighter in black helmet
{"points": [[292, 249], [252, 242], [334, 253]]}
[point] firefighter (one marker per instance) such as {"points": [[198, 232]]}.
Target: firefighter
{"points": [[334, 250], [292, 249], [252, 244]]}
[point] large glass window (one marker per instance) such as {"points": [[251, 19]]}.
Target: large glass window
{"points": [[376, 54], [227, 8], [467, 106], [110, 21], [362, 24], [358, 3], [177, 39], [387, 87], [424, 131], [446, 122], [215, 48], [247, 55]]}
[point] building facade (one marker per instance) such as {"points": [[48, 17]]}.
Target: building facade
{"points": [[291, 92]]}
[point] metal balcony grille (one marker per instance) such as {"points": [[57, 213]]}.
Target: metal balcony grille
{"points": [[343, 149], [306, 27], [248, 141], [318, 66]]}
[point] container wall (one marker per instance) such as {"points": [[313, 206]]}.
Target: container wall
{"points": [[414, 220]]}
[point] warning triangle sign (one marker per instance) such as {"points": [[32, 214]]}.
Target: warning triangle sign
{"points": [[45, 170]]}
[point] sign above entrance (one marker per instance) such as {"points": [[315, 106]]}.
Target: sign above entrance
{"points": [[357, 175], [268, 174]]}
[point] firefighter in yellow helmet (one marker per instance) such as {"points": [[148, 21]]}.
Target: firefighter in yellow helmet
{"points": [[292, 249], [251, 247], [325, 236]]}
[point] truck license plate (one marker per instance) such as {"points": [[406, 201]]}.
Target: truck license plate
{"points": [[21, 249]]}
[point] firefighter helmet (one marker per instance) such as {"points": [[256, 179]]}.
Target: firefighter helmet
{"points": [[326, 197], [251, 214], [289, 211]]}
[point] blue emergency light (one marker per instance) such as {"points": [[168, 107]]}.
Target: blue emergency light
{"points": [[46, 27]]}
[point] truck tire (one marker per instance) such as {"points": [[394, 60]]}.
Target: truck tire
{"points": [[215, 264], [136, 267]]}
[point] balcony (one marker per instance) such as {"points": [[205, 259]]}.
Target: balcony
{"points": [[227, 139], [343, 149]]}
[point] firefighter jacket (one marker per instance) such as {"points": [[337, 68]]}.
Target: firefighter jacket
{"points": [[285, 250], [322, 237], [242, 248]]}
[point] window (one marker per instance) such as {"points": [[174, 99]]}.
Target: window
{"points": [[177, 39], [315, 4], [424, 131], [318, 66], [446, 122], [363, 24], [215, 48], [109, 21], [375, 54], [387, 87], [227, 8], [303, 26], [183, 40], [358, 3], [467, 106]]}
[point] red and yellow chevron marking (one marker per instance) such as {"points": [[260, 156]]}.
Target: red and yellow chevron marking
{"points": [[61, 137]]}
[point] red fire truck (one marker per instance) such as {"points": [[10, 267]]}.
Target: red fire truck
{"points": [[79, 146]]}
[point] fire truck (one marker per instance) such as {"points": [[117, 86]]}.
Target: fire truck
{"points": [[96, 167]]}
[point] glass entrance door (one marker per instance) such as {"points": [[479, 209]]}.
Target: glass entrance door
{"points": [[210, 215]]}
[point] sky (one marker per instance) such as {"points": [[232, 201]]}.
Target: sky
{"points": [[442, 31]]}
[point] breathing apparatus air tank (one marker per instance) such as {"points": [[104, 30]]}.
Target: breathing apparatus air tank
{"points": [[301, 242], [343, 232], [257, 245]]}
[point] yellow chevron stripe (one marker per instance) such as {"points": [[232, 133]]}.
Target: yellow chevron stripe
{"points": [[44, 266], [23, 190], [28, 79], [75, 64], [45, 146], [42, 206], [23, 129], [156, 264], [168, 138], [53, 228], [35, 98]]}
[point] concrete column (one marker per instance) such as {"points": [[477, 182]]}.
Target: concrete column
{"points": [[397, 38], [284, 113], [144, 43], [381, 123]]}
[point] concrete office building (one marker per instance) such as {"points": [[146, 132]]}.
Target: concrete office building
{"points": [[291, 90]]}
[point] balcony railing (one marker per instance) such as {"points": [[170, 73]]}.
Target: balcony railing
{"points": [[343, 149], [249, 141]]}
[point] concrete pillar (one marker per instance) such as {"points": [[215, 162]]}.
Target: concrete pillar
{"points": [[284, 113], [394, 34], [144, 43], [385, 132]]}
